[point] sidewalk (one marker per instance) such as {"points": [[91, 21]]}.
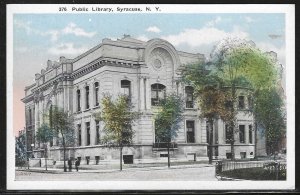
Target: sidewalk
{"points": [[61, 171]]}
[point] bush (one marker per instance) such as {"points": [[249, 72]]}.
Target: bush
{"points": [[257, 173]]}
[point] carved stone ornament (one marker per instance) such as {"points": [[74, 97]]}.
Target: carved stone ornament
{"points": [[159, 58]]}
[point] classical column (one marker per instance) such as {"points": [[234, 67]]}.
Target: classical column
{"points": [[83, 134], [65, 100], [246, 133], [142, 94], [83, 95], [93, 131], [36, 117], [92, 94], [148, 93]]}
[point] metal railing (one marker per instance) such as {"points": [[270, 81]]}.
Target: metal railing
{"points": [[272, 166], [164, 145]]}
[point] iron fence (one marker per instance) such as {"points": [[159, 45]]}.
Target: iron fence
{"points": [[272, 166]]}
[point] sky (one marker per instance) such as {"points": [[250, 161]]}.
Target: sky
{"points": [[39, 37]]}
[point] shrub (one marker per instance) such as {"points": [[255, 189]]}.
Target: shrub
{"points": [[257, 173]]}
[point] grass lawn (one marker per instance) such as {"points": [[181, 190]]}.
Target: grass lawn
{"points": [[256, 173]]}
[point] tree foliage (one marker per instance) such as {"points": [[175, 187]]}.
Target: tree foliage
{"points": [[269, 109], [62, 124], [234, 64], [211, 98], [168, 118], [44, 133], [118, 117], [20, 150]]}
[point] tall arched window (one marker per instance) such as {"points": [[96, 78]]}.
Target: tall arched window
{"points": [[96, 87], [78, 100], [87, 97], [158, 93], [189, 91]]}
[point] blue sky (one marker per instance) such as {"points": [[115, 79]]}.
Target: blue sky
{"points": [[73, 33], [39, 37]]}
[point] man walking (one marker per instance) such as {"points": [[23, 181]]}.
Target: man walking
{"points": [[77, 163]]}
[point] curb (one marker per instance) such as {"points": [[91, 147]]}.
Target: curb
{"points": [[60, 171], [221, 178]]}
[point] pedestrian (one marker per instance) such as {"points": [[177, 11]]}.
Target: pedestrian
{"points": [[77, 163], [70, 164]]}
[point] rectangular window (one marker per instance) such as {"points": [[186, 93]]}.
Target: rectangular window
{"points": [[250, 134], [97, 132], [97, 158], [30, 117], [227, 134], [87, 91], [158, 93], [241, 102], [78, 100], [79, 134], [125, 87], [190, 131], [96, 94], [243, 155], [242, 133], [189, 91], [88, 135]]}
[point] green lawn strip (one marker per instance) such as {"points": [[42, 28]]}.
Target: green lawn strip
{"points": [[256, 173]]}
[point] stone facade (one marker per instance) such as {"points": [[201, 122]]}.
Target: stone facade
{"points": [[143, 70]]}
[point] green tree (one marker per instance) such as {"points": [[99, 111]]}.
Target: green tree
{"points": [[211, 98], [61, 123], [168, 119], [44, 134], [239, 64], [118, 117], [20, 150], [269, 109]]}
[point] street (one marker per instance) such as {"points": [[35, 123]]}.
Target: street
{"points": [[184, 174]]}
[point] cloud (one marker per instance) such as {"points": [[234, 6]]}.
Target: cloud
{"points": [[267, 47], [203, 36], [154, 29], [249, 19], [274, 36], [72, 28], [67, 49], [26, 25], [142, 38], [213, 22]]}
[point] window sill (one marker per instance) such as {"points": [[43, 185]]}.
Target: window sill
{"points": [[96, 107], [190, 108], [86, 110]]}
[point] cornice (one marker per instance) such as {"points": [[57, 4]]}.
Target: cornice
{"points": [[100, 62]]}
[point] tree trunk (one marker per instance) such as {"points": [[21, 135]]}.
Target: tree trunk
{"points": [[210, 121], [64, 147], [255, 140], [121, 157], [168, 154], [232, 144], [233, 94], [46, 156]]}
